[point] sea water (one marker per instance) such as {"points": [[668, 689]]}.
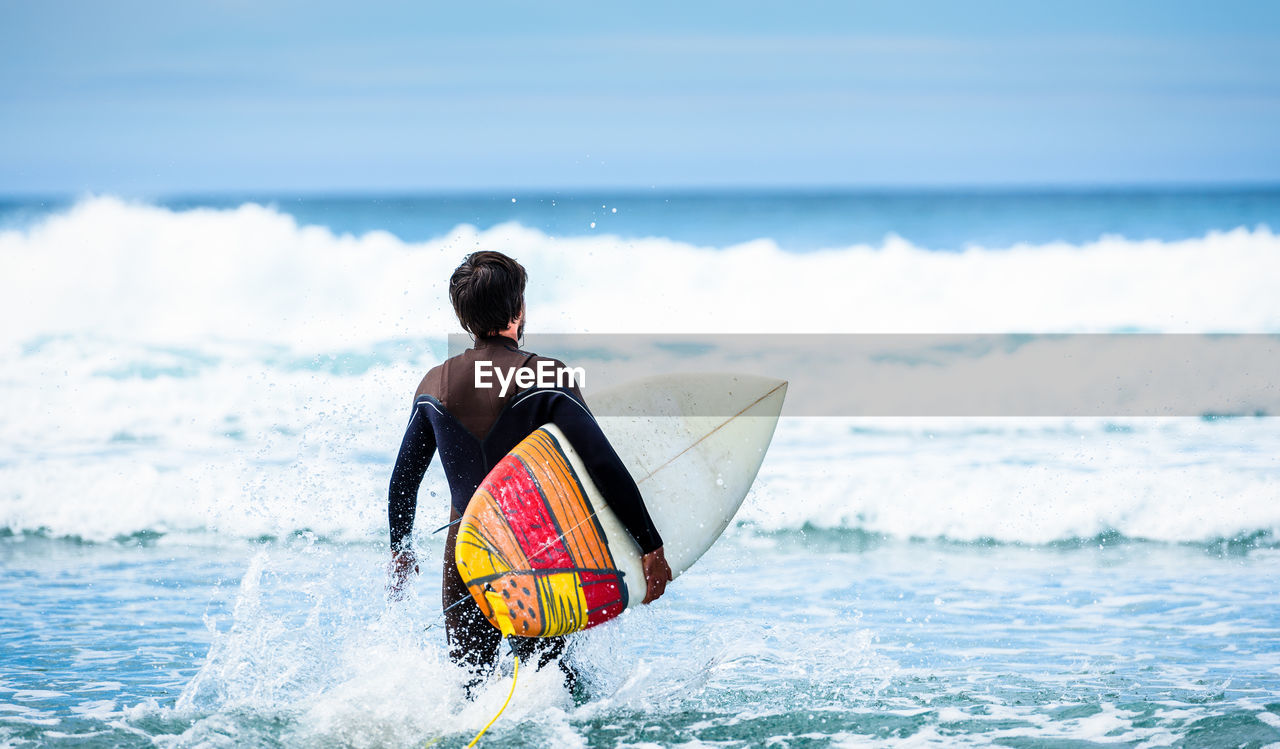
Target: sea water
{"points": [[203, 397]]}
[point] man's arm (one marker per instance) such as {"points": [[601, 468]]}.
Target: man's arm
{"points": [[416, 450]]}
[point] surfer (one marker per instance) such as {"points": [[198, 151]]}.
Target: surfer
{"points": [[473, 427]]}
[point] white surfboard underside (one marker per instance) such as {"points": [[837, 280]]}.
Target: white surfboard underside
{"points": [[693, 471]]}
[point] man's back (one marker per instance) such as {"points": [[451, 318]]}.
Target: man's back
{"points": [[453, 383], [473, 427]]}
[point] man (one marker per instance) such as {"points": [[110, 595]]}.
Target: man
{"points": [[475, 427]]}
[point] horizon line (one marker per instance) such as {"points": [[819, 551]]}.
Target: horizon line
{"points": [[546, 191]]}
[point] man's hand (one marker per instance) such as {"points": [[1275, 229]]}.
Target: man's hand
{"points": [[657, 573], [402, 563]]}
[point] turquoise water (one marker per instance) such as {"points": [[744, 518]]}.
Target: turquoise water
{"points": [[203, 399], [807, 638]]}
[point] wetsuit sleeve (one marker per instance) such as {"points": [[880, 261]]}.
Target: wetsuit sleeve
{"points": [[607, 470], [416, 450]]}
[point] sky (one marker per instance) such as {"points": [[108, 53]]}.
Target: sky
{"points": [[151, 98]]}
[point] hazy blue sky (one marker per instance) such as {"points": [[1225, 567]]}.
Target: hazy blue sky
{"points": [[147, 98]]}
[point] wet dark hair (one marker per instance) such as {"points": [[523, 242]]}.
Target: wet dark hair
{"points": [[487, 292]]}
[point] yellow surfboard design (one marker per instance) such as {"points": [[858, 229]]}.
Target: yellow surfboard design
{"points": [[530, 534]]}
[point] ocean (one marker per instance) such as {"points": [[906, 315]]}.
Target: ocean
{"points": [[203, 397]]}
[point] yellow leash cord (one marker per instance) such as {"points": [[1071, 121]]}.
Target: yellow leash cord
{"points": [[503, 615], [504, 705]]}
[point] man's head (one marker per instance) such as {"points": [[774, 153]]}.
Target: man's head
{"points": [[487, 292]]}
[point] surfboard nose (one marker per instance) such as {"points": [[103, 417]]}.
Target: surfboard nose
{"points": [[724, 395], [734, 395], [772, 392]]}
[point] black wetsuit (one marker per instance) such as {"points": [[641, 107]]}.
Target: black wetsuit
{"points": [[474, 428]]}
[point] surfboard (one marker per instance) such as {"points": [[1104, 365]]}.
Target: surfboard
{"points": [[538, 532]]}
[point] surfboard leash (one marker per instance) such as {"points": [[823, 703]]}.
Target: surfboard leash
{"points": [[503, 615]]}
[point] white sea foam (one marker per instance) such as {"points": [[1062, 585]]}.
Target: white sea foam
{"points": [[230, 371], [138, 272], [309, 635], [1022, 480]]}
